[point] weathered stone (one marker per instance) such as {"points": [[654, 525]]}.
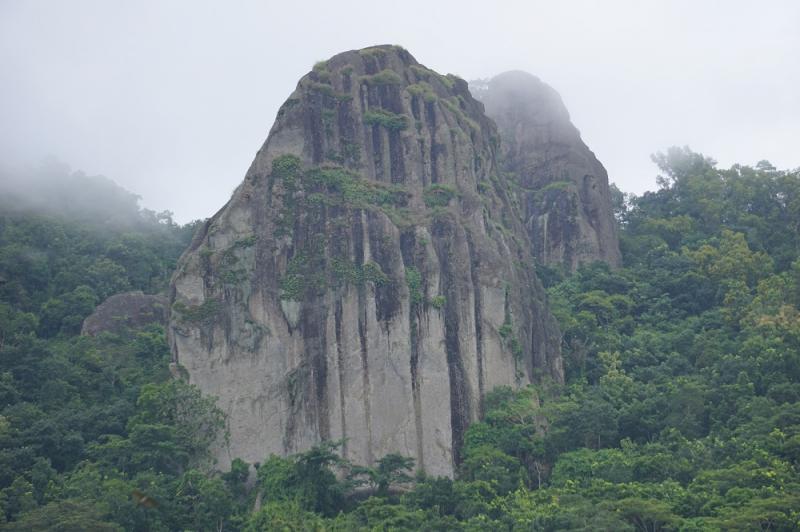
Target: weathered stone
{"points": [[564, 189], [127, 310], [370, 279]]}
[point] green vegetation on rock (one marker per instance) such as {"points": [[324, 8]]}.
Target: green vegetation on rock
{"points": [[286, 168], [438, 195], [681, 409], [384, 77], [204, 313], [385, 119], [423, 89], [308, 276], [414, 282]]}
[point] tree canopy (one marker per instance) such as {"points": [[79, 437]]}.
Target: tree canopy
{"points": [[681, 409]]}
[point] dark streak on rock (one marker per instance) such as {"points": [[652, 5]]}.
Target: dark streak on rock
{"points": [[442, 232], [340, 365], [358, 242], [478, 316]]}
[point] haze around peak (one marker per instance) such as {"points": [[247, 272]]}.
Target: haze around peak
{"points": [[172, 100]]}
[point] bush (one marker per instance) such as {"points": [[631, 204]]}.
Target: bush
{"points": [[438, 195], [386, 119], [384, 77]]}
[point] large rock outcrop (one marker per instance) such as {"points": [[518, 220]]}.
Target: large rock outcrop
{"points": [[564, 191], [371, 278], [128, 310]]}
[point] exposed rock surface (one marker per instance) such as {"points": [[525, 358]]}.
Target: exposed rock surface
{"points": [[371, 278], [564, 188], [126, 310]]}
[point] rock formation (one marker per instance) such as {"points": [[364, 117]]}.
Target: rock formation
{"points": [[371, 278], [563, 187], [127, 310]]}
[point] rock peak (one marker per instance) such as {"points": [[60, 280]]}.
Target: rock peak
{"points": [[565, 195], [371, 279]]}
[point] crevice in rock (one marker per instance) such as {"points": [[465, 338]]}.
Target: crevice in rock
{"points": [[407, 249], [314, 332], [430, 120], [478, 316], [442, 233], [360, 237], [341, 367]]}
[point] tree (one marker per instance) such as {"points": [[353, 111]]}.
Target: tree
{"points": [[283, 515], [646, 515], [392, 469], [69, 515], [173, 429], [306, 478]]}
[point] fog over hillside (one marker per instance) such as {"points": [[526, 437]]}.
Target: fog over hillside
{"points": [[173, 99]]}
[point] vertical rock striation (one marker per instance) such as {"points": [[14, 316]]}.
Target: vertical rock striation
{"points": [[371, 278], [564, 188]]}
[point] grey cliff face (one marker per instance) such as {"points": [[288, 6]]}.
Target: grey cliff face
{"points": [[370, 279], [563, 187]]}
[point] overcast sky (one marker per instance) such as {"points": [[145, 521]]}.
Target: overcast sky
{"points": [[172, 98]]}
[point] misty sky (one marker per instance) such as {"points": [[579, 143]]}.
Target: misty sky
{"points": [[172, 98]]}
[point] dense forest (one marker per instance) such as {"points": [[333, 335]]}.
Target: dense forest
{"points": [[681, 409]]}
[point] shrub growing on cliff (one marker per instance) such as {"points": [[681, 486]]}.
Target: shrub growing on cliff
{"points": [[386, 119], [286, 167], [438, 195], [384, 77], [414, 282]]}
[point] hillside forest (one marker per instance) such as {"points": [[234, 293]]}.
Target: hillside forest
{"points": [[680, 411]]}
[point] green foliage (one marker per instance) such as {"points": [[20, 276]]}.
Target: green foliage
{"points": [[438, 302], [56, 268], [308, 275], [68, 515], [386, 119], [173, 429], [681, 409], [371, 272], [306, 479], [424, 90], [438, 195], [379, 514], [283, 515], [326, 89], [86, 420], [414, 282], [506, 332], [498, 469], [429, 75], [286, 168], [372, 51], [354, 191], [384, 77], [204, 313], [305, 276], [66, 313], [327, 186], [195, 419], [392, 469]]}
